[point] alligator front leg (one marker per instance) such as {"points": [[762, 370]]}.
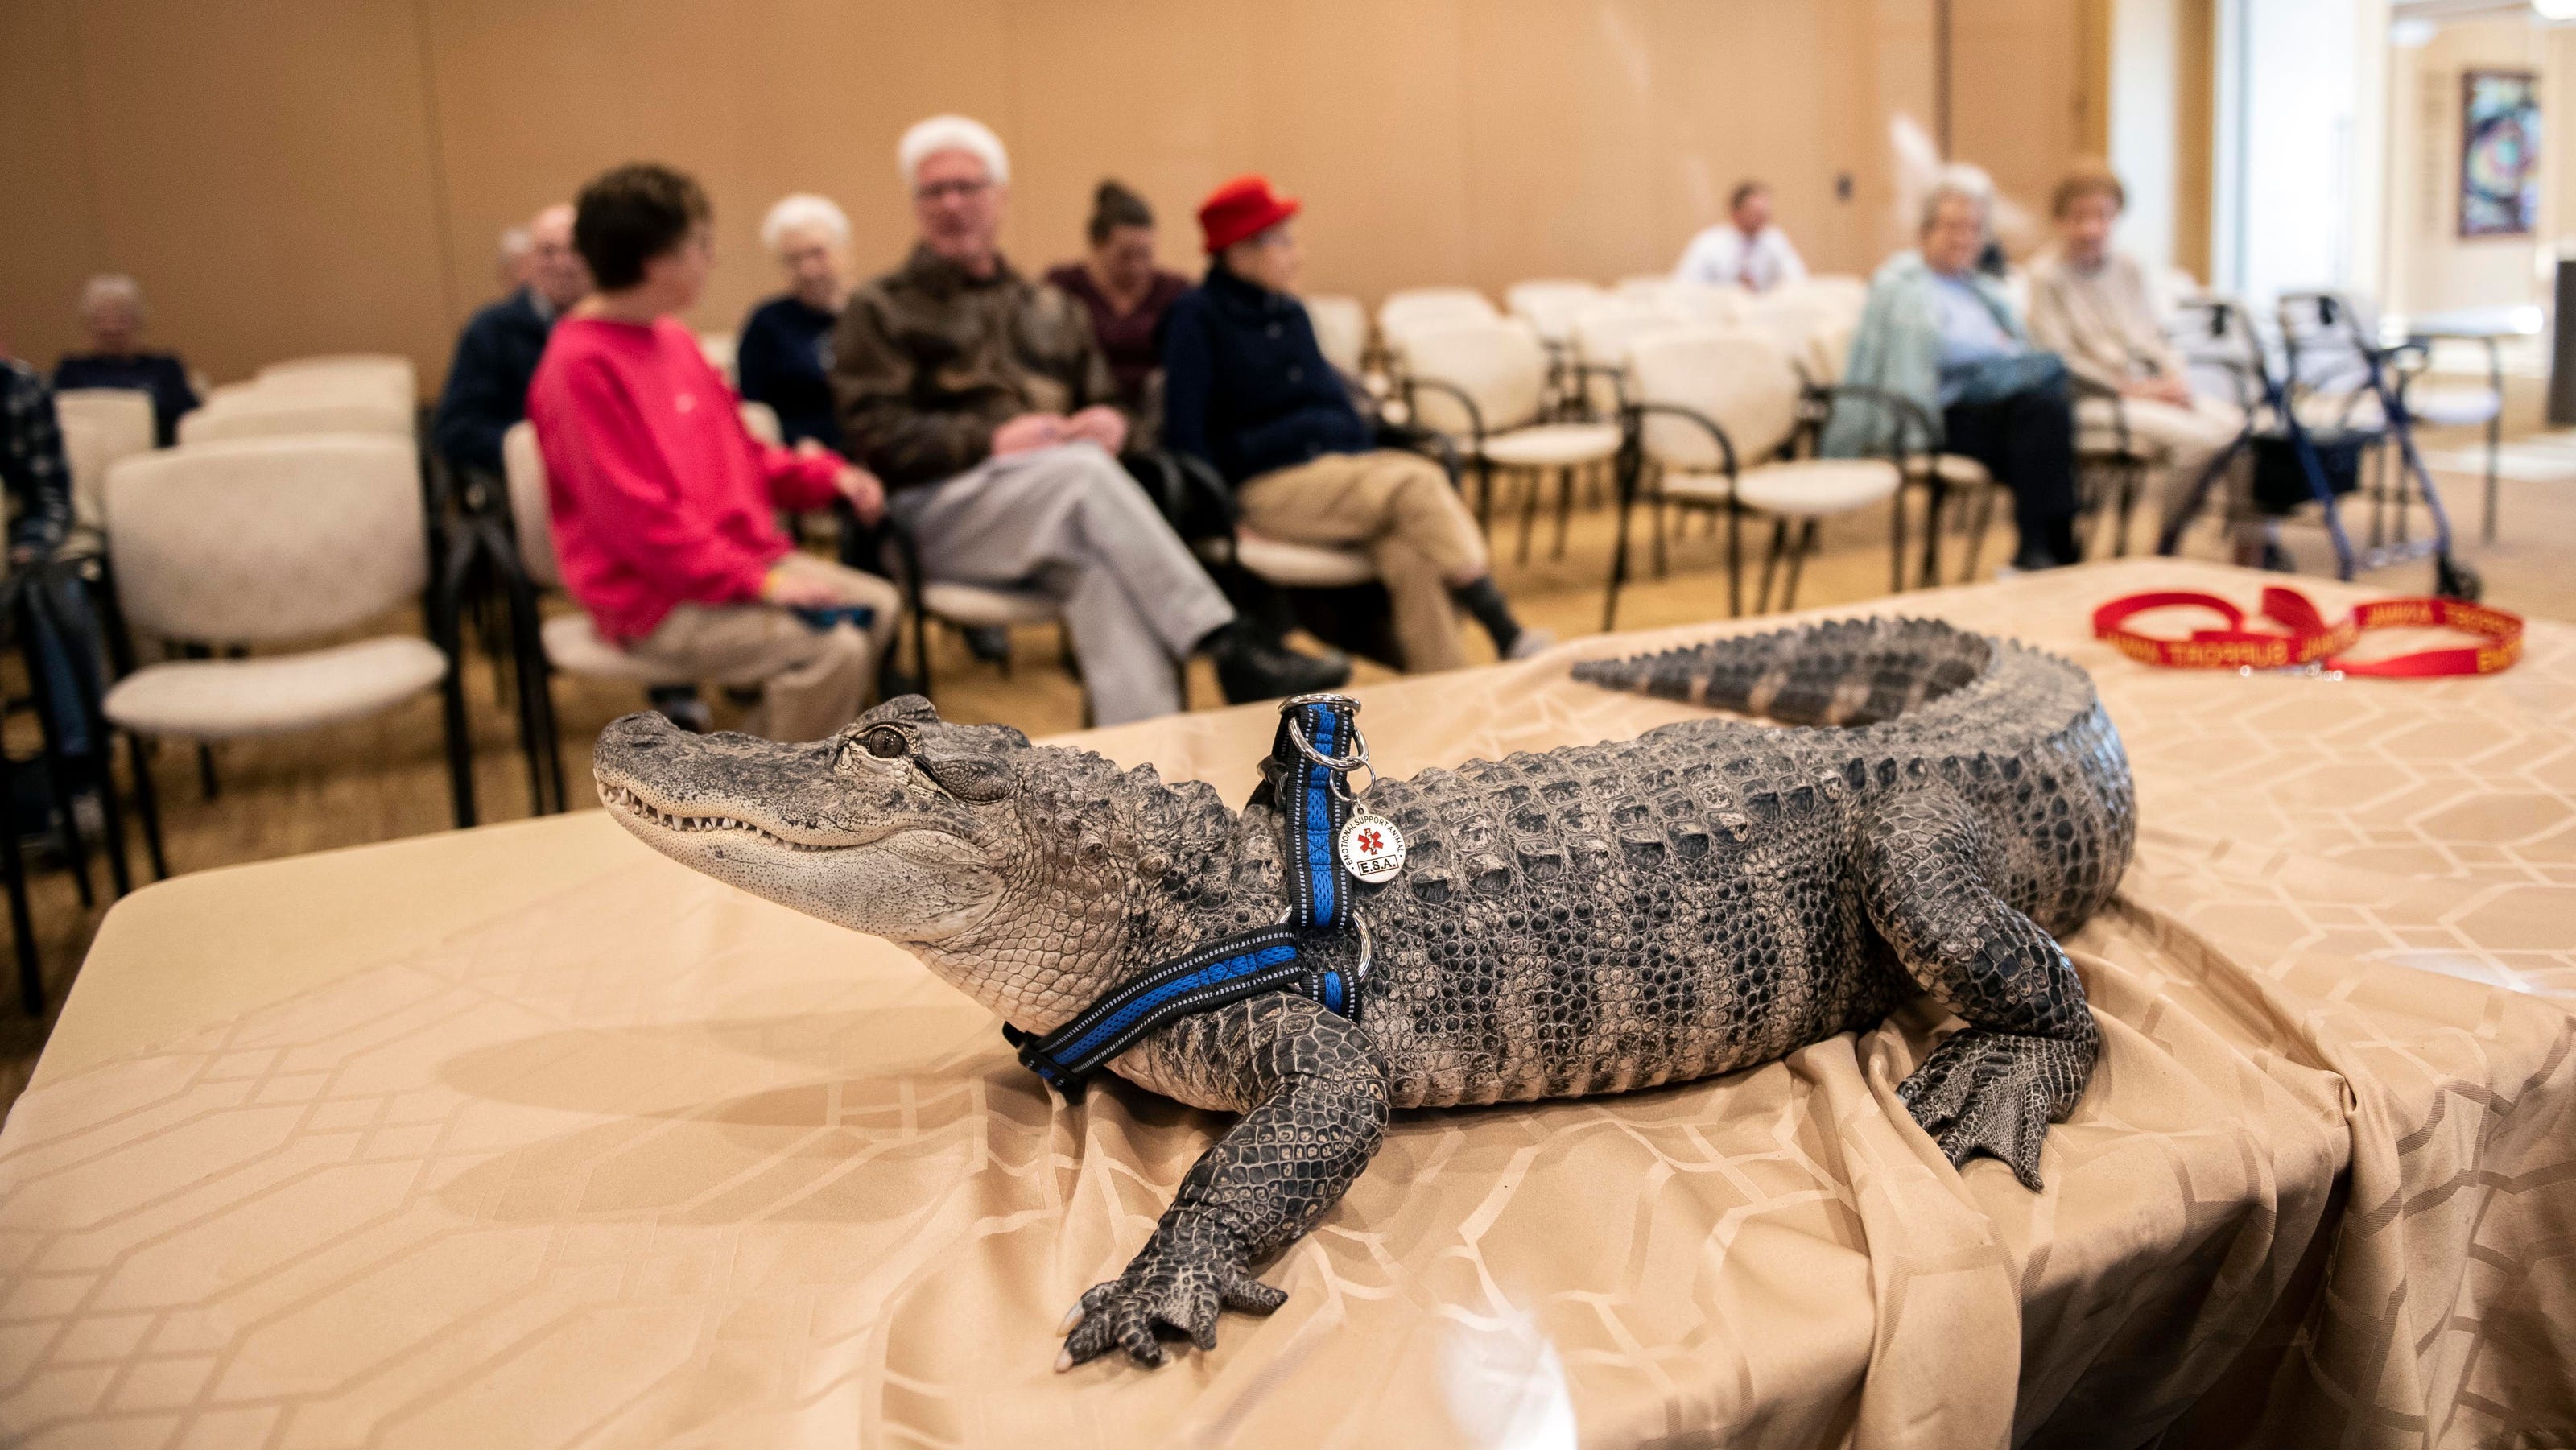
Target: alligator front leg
{"points": [[1315, 1095], [2030, 1041]]}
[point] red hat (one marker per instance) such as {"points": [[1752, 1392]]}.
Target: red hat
{"points": [[1244, 207]]}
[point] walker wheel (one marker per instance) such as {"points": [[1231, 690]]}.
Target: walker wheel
{"points": [[2454, 580]]}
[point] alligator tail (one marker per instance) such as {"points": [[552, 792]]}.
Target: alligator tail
{"points": [[1845, 672]]}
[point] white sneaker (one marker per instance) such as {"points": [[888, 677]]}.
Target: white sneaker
{"points": [[1531, 642]]}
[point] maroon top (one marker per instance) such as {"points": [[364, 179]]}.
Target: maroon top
{"points": [[1126, 339]]}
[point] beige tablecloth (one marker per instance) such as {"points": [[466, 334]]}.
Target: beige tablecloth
{"points": [[587, 1150]]}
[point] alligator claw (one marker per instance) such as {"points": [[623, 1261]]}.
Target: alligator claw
{"points": [[1996, 1093], [1184, 1277]]}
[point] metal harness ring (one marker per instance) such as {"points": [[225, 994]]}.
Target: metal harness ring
{"points": [[1368, 949], [1358, 757]]}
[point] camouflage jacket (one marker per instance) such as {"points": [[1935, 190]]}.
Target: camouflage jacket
{"points": [[928, 361]]}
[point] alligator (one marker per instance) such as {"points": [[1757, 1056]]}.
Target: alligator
{"points": [[1929, 809]]}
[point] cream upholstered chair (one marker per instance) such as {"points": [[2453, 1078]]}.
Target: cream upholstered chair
{"points": [[1643, 286], [291, 411], [1485, 385], [391, 372], [268, 542], [1719, 415], [1342, 331], [1415, 309], [1842, 296], [1550, 305], [1703, 304], [719, 348], [100, 427], [1603, 333], [1795, 321]]}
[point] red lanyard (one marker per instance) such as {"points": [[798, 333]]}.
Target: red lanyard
{"points": [[2311, 639]]}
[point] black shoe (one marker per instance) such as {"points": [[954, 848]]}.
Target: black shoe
{"points": [[990, 643], [1251, 668], [681, 706]]}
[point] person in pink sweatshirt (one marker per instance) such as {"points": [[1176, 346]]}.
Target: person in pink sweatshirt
{"points": [[665, 508]]}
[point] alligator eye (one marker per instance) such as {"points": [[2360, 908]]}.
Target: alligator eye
{"points": [[886, 744]]}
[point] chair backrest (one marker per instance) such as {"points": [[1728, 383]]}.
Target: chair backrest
{"points": [[1702, 304], [531, 511], [390, 372], [1791, 319], [1551, 304], [288, 411], [1830, 351], [719, 348], [1341, 330], [123, 416], [1603, 334], [101, 426], [1644, 286], [1415, 308], [1739, 378], [88, 452], [267, 539], [1499, 363], [1835, 288], [2323, 337]]}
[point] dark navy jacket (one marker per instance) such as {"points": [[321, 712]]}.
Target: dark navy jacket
{"points": [[1245, 386], [783, 357], [487, 384]]}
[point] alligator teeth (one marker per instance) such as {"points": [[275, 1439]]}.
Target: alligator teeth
{"points": [[620, 796]]}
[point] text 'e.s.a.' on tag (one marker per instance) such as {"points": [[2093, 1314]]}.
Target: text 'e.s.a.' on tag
{"points": [[1372, 848]]}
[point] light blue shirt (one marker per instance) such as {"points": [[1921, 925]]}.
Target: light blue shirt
{"points": [[1970, 332]]}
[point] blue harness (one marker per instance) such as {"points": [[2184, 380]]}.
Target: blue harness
{"points": [[1317, 746]]}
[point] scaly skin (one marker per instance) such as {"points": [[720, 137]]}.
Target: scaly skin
{"points": [[1708, 896]]}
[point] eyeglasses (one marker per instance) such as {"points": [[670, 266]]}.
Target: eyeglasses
{"points": [[960, 189]]}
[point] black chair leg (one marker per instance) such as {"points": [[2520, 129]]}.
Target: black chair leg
{"points": [[206, 770], [1529, 513], [1806, 545], [1734, 561], [22, 921], [1770, 563], [1896, 541], [1564, 508], [147, 804]]}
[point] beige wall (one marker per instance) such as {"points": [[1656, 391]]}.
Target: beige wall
{"points": [[2429, 265], [289, 178]]}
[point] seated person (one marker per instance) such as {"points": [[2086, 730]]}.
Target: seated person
{"points": [[1247, 388], [496, 355], [983, 402], [1940, 333], [665, 508], [783, 355], [2091, 304], [510, 259], [38, 485], [112, 314], [1745, 250], [1124, 291]]}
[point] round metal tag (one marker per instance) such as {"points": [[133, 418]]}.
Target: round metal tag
{"points": [[1372, 848]]}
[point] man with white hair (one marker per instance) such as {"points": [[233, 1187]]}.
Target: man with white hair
{"points": [[496, 355], [982, 400], [783, 355], [510, 259], [112, 313]]}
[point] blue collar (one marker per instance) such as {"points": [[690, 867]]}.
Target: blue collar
{"points": [[1305, 779]]}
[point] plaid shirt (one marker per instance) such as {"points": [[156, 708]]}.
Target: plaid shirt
{"points": [[31, 459]]}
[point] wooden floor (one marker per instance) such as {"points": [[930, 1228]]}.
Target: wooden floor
{"points": [[386, 778]]}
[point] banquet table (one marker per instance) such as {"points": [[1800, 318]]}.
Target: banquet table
{"points": [[524, 1136]]}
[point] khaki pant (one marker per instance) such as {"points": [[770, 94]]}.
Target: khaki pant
{"points": [[1069, 521], [1400, 508], [812, 681], [2181, 440]]}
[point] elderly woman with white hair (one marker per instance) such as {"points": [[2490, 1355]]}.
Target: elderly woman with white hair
{"points": [[112, 313], [783, 355], [983, 401], [1942, 336]]}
